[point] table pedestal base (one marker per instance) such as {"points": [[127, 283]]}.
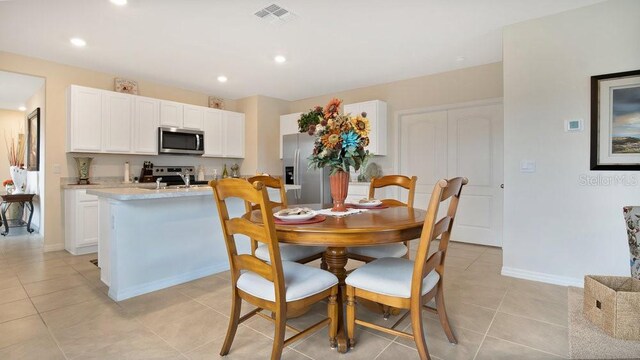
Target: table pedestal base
{"points": [[336, 258]]}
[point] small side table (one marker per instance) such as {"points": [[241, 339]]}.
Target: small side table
{"points": [[7, 200]]}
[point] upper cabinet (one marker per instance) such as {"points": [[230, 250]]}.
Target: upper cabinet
{"points": [[233, 134], [377, 114], [84, 113], [146, 121], [194, 117], [171, 114], [288, 126], [213, 146], [101, 121], [117, 111]]}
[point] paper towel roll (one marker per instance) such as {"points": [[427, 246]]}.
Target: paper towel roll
{"points": [[127, 176]]}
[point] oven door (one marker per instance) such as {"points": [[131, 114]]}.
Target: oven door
{"points": [[180, 141]]}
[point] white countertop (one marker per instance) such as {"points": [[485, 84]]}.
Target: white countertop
{"points": [[125, 194]]}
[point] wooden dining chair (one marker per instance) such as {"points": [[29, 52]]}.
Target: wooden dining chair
{"points": [[406, 284], [370, 253], [288, 252], [280, 287]]}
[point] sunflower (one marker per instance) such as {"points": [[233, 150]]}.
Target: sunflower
{"points": [[332, 109], [331, 139], [361, 125]]}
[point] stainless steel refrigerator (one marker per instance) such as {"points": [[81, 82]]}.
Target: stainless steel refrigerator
{"points": [[314, 191]]}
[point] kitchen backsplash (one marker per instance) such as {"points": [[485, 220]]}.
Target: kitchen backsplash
{"points": [[110, 165]]}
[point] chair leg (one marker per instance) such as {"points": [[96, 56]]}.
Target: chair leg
{"points": [[278, 337], [418, 331], [351, 315], [442, 314], [332, 310], [234, 318]]}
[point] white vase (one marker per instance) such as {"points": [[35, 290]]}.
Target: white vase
{"points": [[19, 177]]}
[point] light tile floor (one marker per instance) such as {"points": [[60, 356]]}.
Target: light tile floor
{"points": [[53, 306]]}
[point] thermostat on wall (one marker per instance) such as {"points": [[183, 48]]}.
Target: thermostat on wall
{"points": [[573, 125]]}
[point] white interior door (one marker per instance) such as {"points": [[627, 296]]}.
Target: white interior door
{"points": [[459, 142]]}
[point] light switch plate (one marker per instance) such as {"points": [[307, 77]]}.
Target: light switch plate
{"points": [[527, 166], [573, 125]]}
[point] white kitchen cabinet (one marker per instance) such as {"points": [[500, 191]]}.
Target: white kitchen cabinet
{"points": [[81, 222], [377, 114], [233, 134], [146, 121], [193, 117], [213, 134], [288, 126], [171, 114], [117, 111], [84, 113]]}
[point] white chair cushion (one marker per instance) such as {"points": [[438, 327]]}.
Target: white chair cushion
{"points": [[301, 281], [390, 276], [380, 251], [289, 252]]}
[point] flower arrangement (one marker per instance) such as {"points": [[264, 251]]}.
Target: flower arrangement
{"points": [[7, 182], [340, 139]]}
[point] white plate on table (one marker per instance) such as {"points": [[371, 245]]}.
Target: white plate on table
{"points": [[295, 214], [368, 203]]}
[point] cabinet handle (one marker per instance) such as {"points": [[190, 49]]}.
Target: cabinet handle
{"points": [[501, 186]]}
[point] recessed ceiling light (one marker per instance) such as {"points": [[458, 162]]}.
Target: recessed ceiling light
{"points": [[280, 59], [222, 78], [22, 108], [119, 2], [78, 42]]}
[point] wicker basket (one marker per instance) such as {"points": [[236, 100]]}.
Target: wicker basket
{"points": [[613, 304]]}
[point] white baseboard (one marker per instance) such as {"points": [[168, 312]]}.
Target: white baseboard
{"points": [[542, 277], [123, 294], [53, 247]]}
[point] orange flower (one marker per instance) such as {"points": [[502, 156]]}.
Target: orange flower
{"points": [[332, 109], [331, 139]]}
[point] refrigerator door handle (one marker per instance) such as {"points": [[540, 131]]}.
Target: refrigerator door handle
{"points": [[296, 173]]}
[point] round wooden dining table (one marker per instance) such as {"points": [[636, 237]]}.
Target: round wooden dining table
{"points": [[369, 228]]}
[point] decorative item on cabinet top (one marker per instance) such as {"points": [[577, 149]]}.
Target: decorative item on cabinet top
{"points": [[216, 103], [126, 86]]}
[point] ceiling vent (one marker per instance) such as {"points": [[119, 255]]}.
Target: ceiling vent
{"points": [[275, 14]]}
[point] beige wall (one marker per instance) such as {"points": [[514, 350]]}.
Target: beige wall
{"points": [[464, 85], [578, 227], [58, 78], [11, 123]]}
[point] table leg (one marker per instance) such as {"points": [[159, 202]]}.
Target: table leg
{"points": [[29, 206], [3, 209], [336, 258]]}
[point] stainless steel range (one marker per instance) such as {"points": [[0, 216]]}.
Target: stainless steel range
{"points": [[170, 175]]}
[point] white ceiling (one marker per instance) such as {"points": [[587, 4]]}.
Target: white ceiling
{"points": [[16, 89], [332, 45]]}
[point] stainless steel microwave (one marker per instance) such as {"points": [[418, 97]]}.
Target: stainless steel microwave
{"points": [[180, 141]]}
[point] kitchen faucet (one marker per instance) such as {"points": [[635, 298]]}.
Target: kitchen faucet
{"points": [[185, 177], [158, 183]]}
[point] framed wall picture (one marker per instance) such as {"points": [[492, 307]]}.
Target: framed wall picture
{"points": [[33, 140], [615, 121]]}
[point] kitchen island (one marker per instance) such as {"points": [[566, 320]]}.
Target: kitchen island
{"points": [[152, 239]]}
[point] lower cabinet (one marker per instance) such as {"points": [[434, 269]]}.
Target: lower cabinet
{"points": [[81, 222]]}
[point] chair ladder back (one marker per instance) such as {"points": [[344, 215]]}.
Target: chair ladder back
{"points": [[255, 193], [408, 183], [443, 190], [269, 182]]}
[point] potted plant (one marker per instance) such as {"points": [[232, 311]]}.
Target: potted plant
{"points": [[340, 144]]}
